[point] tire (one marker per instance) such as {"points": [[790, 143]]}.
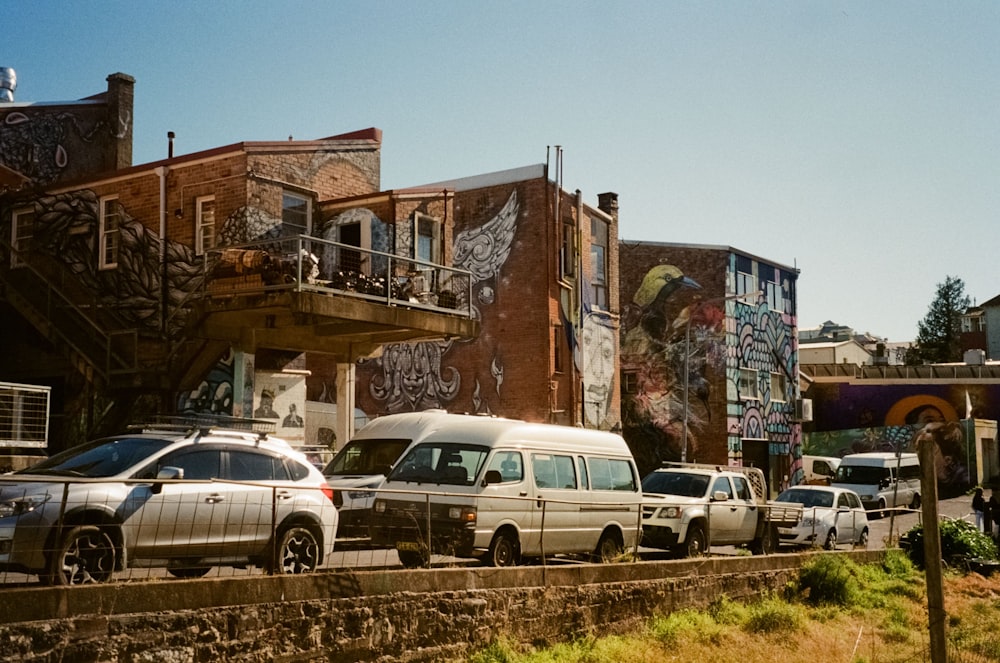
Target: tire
{"points": [[831, 540], [767, 543], [188, 571], [412, 559], [863, 539], [609, 548], [915, 502], [298, 552], [505, 550], [880, 512], [696, 543], [86, 555]]}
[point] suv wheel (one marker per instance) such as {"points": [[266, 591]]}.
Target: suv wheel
{"points": [[86, 555], [298, 551], [696, 543], [609, 548], [412, 559]]}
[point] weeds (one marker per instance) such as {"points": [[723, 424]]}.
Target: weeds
{"points": [[837, 611]]}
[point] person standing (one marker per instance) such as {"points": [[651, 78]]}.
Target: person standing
{"points": [[979, 508], [991, 515]]}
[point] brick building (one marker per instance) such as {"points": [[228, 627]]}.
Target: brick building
{"points": [[709, 358], [544, 291], [276, 280]]}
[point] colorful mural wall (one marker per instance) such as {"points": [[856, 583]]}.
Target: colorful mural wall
{"points": [[698, 322], [955, 460]]}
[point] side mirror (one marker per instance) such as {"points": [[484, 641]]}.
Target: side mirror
{"points": [[492, 476], [168, 473], [720, 496]]}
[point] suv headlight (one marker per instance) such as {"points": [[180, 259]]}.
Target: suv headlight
{"points": [[671, 512], [19, 505]]}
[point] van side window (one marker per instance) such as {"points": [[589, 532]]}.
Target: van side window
{"points": [[611, 474], [509, 465], [553, 471], [565, 474], [581, 466]]}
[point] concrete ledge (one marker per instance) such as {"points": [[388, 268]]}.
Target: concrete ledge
{"points": [[46, 603]]}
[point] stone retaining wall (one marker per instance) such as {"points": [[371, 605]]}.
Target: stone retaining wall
{"points": [[423, 615]]}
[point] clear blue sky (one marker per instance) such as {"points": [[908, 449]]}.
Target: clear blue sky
{"points": [[857, 141]]}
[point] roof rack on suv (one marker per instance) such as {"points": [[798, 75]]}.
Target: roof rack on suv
{"points": [[206, 422]]}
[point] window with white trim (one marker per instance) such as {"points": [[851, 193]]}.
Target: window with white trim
{"points": [[22, 229], [779, 385], [296, 213], [599, 263], [109, 232], [775, 300], [204, 234], [567, 250], [427, 233], [748, 388]]}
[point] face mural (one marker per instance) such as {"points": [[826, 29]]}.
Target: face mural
{"points": [[597, 348]]}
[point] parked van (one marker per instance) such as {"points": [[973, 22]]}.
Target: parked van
{"points": [[881, 479], [503, 489], [819, 470], [362, 464]]}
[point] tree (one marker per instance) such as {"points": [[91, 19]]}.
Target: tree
{"points": [[938, 334]]}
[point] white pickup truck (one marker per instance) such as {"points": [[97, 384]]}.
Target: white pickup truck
{"points": [[686, 508]]}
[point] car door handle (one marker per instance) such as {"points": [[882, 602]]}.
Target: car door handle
{"points": [[283, 495], [215, 498]]}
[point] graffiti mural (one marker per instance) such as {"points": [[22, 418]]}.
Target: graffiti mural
{"points": [[215, 393], [413, 376], [955, 455], [596, 361], [659, 338], [35, 146], [66, 230]]}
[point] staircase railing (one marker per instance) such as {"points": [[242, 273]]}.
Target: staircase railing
{"points": [[62, 320]]}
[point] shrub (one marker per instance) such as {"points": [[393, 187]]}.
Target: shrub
{"points": [[960, 541], [828, 579], [773, 616]]}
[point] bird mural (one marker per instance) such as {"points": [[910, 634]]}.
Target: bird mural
{"points": [[654, 353]]}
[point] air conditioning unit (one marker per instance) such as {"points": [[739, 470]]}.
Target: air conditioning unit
{"points": [[803, 410]]}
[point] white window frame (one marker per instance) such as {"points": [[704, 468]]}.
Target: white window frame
{"points": [[425, 221], [204, 224], [775, 300], [567, 250], [20, 241], [286, 209], [779, 387], [109, 239], [744, 283], [747, 384], [599, 263]]}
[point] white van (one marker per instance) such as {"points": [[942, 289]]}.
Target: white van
{"points": [[819, 470], [361, 465], [502, 489], [881, 479]]}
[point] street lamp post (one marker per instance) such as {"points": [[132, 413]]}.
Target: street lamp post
{"points": [[687, 357]]}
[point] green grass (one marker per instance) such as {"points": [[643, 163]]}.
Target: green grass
{"points": [[836, 611]]}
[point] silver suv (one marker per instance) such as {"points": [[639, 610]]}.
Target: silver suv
{"points": [[186, 500]]}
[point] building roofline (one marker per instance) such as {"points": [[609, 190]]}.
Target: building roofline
{"points": [[717, 247]]}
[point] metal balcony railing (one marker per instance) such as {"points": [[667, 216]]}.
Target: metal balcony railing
{"points": [[310, 264]]}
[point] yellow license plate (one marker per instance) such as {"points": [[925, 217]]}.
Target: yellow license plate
{"points": [[409, 546]]}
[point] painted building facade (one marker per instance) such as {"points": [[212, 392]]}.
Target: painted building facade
{"points": [[544, 288], [709, 358]]}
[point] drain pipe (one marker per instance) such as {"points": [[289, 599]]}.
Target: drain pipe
{"points": [[161, 172]]}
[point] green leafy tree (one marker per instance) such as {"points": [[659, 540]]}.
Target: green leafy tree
{"points": [[938, 334]]}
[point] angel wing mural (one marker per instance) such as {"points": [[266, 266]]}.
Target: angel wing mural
{"points": [[484, 249]]}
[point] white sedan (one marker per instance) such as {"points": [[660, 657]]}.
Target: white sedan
{"points": [[830, 516]]}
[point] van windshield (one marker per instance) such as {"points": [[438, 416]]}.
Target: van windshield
{"points": [[861, 474], [371, 456], [445, 463]]}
